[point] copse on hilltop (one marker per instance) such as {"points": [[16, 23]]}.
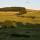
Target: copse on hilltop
{"points": [[15, 9]]}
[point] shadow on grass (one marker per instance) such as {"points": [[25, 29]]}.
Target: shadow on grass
{"points": [[19, 35]]}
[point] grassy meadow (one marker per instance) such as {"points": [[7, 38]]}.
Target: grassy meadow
{"points": [[18, 25], [28, 17], [12, 16]]}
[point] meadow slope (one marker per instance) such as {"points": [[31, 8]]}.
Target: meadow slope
{"points": [[32, 16]]}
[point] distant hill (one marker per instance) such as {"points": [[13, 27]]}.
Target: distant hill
{"points": [[19, 9]]}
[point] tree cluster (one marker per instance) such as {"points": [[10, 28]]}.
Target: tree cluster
{"points": [[22, 10]]}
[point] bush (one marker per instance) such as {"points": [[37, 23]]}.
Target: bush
{"points": [[8, 24], [19, 24], [28, 25]]}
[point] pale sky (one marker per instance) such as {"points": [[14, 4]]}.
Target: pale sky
{"points": [[19, 3], [36, 4], [32, 4]]}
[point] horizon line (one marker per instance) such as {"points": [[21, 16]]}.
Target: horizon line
{"points": [[21, 6]]}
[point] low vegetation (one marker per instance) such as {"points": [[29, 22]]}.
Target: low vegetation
{"points": [[19, 25], [13, 27]]}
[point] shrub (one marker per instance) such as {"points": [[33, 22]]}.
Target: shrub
{"points": [[19, 24], [8, 23], [28, 25]]}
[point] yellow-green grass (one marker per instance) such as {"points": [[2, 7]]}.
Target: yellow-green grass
{"points": [[12, 16]]}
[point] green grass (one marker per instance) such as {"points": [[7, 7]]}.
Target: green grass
{"points": [[5, 34], [19, 34]]}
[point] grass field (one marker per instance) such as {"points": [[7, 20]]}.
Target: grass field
{"points": [[19, 34], [12, 16], [25, 18]]}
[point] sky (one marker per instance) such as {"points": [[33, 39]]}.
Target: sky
{"points": [[31, 4], [36, 4]]}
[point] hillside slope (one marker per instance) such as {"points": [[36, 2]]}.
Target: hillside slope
{"points": [[31, 16]]}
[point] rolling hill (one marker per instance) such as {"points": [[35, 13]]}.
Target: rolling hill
{"points": [[20, 15]]}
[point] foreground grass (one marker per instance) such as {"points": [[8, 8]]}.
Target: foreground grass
{"points": [[19, 34], [14, 34]]}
